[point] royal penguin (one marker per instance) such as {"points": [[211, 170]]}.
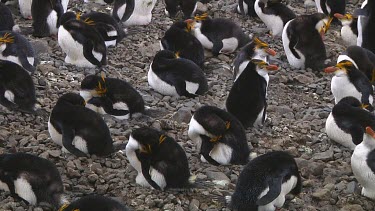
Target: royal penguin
{"points": [[32, 179], [366, 25], [188, 7], [174, 76], [25, 8], [303, 41], [160, 161], [133, 12], [16, 48], [246, 7], [101, 2], [46, 14], [349, 30], [94, 202], [220, 137], [247, 99], [362, 21], [219, 35], [111, 96], [82, 43], [274, 14], [17, 90], [179, 40], [265, 181], [255, 49], [78, 129], [331, 7], [349, 81], [6, 19]]}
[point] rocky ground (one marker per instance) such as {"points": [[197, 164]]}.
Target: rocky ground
{"points": [[299, 103]]}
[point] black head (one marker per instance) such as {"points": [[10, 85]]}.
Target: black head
{"points": [[95, 83], [180, 24], [352, 101], [149, 139], [67, 17], [171, 7], [72, 99]]}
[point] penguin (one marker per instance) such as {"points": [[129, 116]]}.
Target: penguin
{"points": [[16, 48], [246, 7], [274, 14], [303, 43], [6, 19], [367, 26], [247, 97], [219, 35], [255, 49], [179, 40], [362, 21], [114, 96], [101, 2], [31, 179], [83, 45], [188, 7], [331, 7], [265, 181], [17, 90], [46, 14], [160, 161], [133, 12], [349, 81], [171, 75], [94, 202], [79, 130], [25, 8], [349, 30], [220, 137], [65, 4]]}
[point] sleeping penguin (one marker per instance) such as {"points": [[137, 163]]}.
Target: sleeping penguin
{"points": [[220, 137], [246, 7], [349, 30], [179, 40], [219, 35], [32, 179], [188, 7], [274, 14], [94, 202], [16, 48], [331, 7], [17, 90], [174, 76], [6, 19], [247, 100], [77, 129], [160, 161], [133, 12], [111, 96], [255, 49], [25, 8], [264, 183], [83, 45], [46, 14], [303, 43], [349, 81]]}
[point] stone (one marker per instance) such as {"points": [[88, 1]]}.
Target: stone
{"points": [[352, 207], [322, 194], [182, 115], [194, 205], [324, 156]]}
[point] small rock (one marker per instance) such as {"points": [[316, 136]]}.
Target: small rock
{"points": [[352, 207], [182, 115], [194, 205], [303, 79], [322, 194], [324, 156]]}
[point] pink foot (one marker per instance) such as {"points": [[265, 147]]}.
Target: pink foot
{"points": [[29, 17]]}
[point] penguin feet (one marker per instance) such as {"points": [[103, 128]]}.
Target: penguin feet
{"points": [[29, 17], [368, 193]]}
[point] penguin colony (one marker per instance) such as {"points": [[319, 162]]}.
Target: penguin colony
{"points": [[76, 121]]}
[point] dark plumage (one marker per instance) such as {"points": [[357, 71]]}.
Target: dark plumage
{"points": [[95, 202], [6, 19], [188, 7], [46, 15]]}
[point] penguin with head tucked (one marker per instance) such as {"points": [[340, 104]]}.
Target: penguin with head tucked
{"points": [[160, 161], [265, 181], [94, 202], [246, 7], [133, 12], [46, 14], [349, 30], [219, 136], [16, 48], [274, 14], [179, 40], [17, 90], [171, 75], [188, 7], [6, 19], [247, 99], [31, 179], [331, 7], [25, 8], [303, 41], [79, 130]]}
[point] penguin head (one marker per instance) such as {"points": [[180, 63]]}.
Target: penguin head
{"points": [[321, 22], [370, 136], [196, 23], [346, 19], [72, 99], [5, 38], [162, 59], [342, 68], [262, 49], [262, 65], [66, 17], [147, 139], [180, 25], [95, 85]]}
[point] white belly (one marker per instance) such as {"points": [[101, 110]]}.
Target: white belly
{"points": [[25, 8], [206, 43], [229, 45], [336, 134], [55, 136], [80, 143], [222, 153], [341, 87], [121, 106], [245, 8], [362, 172], [9, 95], [159, 85], [360, 30], [194, 132], [348, 36], [293, 61], [142, 13], [273, 22], [24, 190], [52, 21]]}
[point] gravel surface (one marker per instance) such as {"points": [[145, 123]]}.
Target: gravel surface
{"points": [[299, 103]]}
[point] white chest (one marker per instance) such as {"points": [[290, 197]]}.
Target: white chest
{"points": [[25, 8], [273, 22], [360, 30], [142, 13], [24, 190], [52, 22], [336, 134], [293, 61], [159, 85], [341, 87], [206, 43], [348, 36], [229, 45], [245, 8]]}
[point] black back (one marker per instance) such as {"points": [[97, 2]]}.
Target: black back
{"points": [[95, 202], [354, 25], [250, 6], [369, 28], [364, 59], [6, 18], [40, 9], [336, 6], [187, 7], [278, 9], [130, 4]]}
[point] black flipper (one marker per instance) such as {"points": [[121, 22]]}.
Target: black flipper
{"points": [[206, 148], [240, 4], [130, 4], [88, 47], [274, 185], [181, 89], [67, 139], [371, 160], [108, 108], [217, 46], [356, 131], [146, 171], [293, 41]]}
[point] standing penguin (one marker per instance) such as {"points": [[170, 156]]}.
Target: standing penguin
{"points": [[274, 14], [219, 136], [17, 90], [112, 96], [133, 12], [94, 202], [264, 183], [362, 21], [25, 8], [366, 25], [79, 130], [349, 30], [16, 48], [303, 43], [160, 161], [6, 19], [247, 100], [31, 179], [46, 15], [331, 7], [171, 75], [188, 7], [246, 7]]}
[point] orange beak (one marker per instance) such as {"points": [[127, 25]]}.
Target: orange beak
{"points": [[370, 132], [270, 51], [339, 16], [272, 67], [330, 69]]}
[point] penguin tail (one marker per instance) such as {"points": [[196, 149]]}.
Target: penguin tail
{"points": [[16, 28]]}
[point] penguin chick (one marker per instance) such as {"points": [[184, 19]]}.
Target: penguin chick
{"points": [[133, 12], [247, 99], [17, 89], [219, 136], [160, 161], [79, 130], [31, 179], [94, 202], [349, 81], [246, 7], [179, 40], [188, 7], [331, 7], [265, 181], [46, 15], [6, 19], [349, 31], [171, 75], [116, 97], [274, 14], [25, 8]]}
